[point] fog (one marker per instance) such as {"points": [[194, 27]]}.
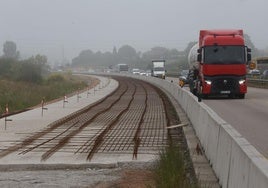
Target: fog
{"points": [[61, 29]]}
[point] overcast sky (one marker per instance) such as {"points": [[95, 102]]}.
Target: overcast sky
{"points": [[51, 27]]}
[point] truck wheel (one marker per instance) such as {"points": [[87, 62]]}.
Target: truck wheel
{"points": [[205, 96], [241, 96], [199, 97], [231, 96], [195, 91]]}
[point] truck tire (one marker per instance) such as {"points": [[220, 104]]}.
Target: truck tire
{"points": [[231, 96], [199, 96], [199, 91], [241, 96], [195, 91], [205, 96]]}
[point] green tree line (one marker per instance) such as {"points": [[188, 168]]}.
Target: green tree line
{"points": [[175, 60], [128, 55], [24, 83], [29, 70]]}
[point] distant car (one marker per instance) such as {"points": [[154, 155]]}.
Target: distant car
{"points": [[264, 74], [148, 73], [184, 72], [184, 76], [136, 71], [142, 73], [255, 72]]}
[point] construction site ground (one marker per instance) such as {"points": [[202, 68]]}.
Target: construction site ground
{"points": [[55, 147]]}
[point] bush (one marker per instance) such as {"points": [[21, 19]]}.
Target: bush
{"points": [[6, 66], [29, 72], [55, 78], [25, 70], [171, 170], [22, 95]]}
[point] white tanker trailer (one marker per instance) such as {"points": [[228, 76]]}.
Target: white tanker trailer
{"points": [[193, 68], [192, 57]]}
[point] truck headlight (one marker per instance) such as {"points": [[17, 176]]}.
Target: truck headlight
{"points": [[242, 82], [208, 82]]}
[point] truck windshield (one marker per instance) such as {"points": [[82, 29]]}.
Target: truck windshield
{"points": [[123, 67], [159, 69], [224, 55]]}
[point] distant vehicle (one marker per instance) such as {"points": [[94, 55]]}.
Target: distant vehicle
{"points": [[142, 73], [91, 70], [255, 72], [264, 74], [148, 73], [184, 76], [121, 68], [136, 71], [184, 72], [261, 63], [159, 69]]}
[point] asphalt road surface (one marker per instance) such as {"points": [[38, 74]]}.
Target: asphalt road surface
{"points": [[248, 116]]}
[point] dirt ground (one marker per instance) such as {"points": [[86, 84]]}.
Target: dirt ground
{"points": [[131, 178], [126, 176]]}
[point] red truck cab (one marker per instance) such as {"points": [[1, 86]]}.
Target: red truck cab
{"points": [[222, 57]]}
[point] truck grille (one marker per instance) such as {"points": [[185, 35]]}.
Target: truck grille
{"points": [[224, 84]]}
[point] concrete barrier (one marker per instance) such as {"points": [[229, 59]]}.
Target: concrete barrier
{"points": [[235, 161]]}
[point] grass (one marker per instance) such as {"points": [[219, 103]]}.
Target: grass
{"points": [[171, 170], [22, 95]]}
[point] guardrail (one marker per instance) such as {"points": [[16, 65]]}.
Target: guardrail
{"points": [[235, 161], [252, 82], [260, 83]]}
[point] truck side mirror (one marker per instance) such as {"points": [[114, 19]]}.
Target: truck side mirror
{"points": [[248, 54], [199, 57], [248, 57]]}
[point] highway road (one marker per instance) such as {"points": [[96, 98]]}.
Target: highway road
{"points": [[248, 116]]}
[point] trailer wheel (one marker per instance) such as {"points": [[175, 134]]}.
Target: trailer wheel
{"points": [[195, 91], [199, 97], [199, 91]]}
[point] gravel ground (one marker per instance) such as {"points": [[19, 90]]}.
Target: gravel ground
{"points": [[125, 175], [57, 178]]}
